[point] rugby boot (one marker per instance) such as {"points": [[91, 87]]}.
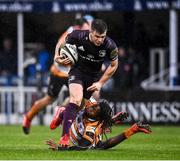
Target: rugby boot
{"points": [[57, 118], [140, 127], [137, 127], [26, 124], [65, 140]]}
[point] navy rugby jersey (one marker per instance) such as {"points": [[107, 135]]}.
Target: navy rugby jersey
{"points": [[90, 56]]}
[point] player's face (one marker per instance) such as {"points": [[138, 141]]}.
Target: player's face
{"points": [[97, 38], [92, 111]]}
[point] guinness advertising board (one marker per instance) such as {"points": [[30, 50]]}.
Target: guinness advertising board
{"points": [[151, 106]]}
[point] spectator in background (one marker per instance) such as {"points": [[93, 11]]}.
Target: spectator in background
{"points": [[37, 62], [43, 57], [160, 38], [8, 63], [29, 64], [43, 61], [136, 61], [141, 44], [123, 75], [142, 39]]}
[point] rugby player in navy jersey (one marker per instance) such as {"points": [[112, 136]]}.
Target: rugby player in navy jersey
{"points": [[58, 78], [85, 76]]}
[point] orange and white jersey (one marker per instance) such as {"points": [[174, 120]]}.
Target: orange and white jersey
{"points": [[85, 129]]}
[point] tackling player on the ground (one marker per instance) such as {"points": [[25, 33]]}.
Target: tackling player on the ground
{"points": [[85, 76], [92, 123]]}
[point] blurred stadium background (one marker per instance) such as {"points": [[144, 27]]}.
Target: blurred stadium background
{"points": [[147, 82]]}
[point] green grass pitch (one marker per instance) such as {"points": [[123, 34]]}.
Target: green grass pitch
{"points": [[163, 143]]}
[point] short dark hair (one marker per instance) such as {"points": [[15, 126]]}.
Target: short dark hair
{"points": [[99, 25]]}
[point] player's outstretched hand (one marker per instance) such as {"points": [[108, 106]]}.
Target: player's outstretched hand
{"points": [[119, 117], [52, 145]]}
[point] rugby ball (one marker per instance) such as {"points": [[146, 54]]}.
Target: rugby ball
{"points": [[69, 51]]}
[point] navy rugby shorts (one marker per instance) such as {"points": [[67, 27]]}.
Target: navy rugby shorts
{"points": [[85, 79], [55, 85]]}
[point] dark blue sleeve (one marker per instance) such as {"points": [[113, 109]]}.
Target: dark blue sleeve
{"points": [[73, 37], [111, 49]]}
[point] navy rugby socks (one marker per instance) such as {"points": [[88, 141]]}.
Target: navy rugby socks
{"points": [[68, 117]]}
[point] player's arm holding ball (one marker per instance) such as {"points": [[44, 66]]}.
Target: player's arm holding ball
{"points": [[66, 53], [58, 57]]}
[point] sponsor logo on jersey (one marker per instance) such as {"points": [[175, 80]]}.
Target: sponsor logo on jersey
{"points": [[71, 78], [91, 59], [81, 48], [90, 56], [113, 54], [102, 53]]}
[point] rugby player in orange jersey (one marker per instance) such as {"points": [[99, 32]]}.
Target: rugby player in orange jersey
{"points": [[91, 123], [58, 78]]}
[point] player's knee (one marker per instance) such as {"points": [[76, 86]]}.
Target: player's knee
{"points": [[49, 99], [44, 101], [66, 101], [36, 103], [76, 101]]}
